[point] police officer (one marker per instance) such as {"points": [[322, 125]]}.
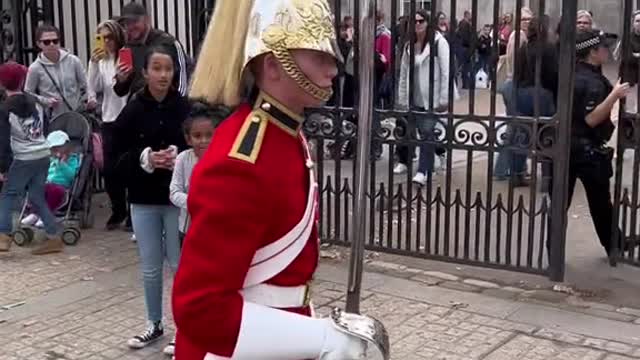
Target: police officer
{"points": [[590, 159]]}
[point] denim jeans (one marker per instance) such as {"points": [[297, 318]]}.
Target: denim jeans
{"points": [[156, 230], [27, 176], [525, 105], [509, 162], [426, 128]]}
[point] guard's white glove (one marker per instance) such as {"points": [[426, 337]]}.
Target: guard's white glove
{"points": [[341, 346]]}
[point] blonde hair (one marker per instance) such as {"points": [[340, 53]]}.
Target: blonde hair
{"points": [[117, 31], [217, 78], [584, 13]]}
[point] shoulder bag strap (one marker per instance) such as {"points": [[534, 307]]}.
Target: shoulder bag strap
{"points": [[55, 84]]}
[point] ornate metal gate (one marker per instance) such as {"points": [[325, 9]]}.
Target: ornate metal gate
{"points": [[460, 215], [627, 175]]}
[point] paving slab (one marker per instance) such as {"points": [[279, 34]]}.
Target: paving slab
{"points": [[85, 303], [583, 324]]}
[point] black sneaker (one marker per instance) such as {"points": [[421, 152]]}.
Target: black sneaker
{"points": [[114, 222], [153, 333]]}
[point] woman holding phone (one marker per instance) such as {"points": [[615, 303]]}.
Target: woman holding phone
{"points": [[149, 135], [110, 38]]}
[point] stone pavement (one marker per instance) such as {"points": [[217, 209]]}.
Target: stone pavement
{"points": [[85, 303]]}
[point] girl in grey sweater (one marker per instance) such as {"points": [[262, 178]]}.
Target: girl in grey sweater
{"points": [[198, 131]]}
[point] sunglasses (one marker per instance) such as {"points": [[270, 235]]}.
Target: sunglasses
{"points": [[50, 41], [420, 21]]}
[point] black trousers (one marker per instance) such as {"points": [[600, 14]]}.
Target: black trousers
{"points": [[594, 173], [114, 183]]}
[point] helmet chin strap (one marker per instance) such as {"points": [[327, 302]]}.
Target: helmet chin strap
{"points": [[291, 68]]}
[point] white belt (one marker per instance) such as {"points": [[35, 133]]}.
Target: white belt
{"points": [[279, 297]]}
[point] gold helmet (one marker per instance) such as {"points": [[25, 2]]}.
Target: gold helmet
{"points": [[242, 30]]}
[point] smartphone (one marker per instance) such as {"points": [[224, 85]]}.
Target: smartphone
{"points": [[126, 57], [99, 44]]}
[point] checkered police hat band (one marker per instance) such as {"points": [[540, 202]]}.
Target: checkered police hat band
{"points": [[587, 44]]}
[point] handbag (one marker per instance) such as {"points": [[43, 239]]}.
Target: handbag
{"points": [[98, 150], [55, 84]]}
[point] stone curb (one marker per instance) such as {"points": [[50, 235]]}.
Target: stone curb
{"points": [[560, 296]]}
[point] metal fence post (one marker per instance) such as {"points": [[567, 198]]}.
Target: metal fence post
{"points": [[558, 235], [365, 115], [618, 234], [47, 11], [18, 20]]}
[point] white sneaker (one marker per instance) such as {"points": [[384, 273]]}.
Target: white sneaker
{"points": [[30, 220], [133, 237], [420, 179], [39, 224], [170, 349], [400, 169], [442, 164]]}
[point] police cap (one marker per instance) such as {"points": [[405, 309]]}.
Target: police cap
{"points": [[591, 39]]}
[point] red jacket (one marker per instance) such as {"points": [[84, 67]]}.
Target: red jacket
{"points": [[383, 46], [249, 190]]}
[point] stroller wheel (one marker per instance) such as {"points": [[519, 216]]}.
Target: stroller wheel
{"points": [[70, 236], [23, 237]]}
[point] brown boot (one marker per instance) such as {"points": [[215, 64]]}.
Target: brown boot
{"points": [[5, 242], [50, 246]]}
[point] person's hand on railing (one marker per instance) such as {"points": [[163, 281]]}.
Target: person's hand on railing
{"points": [[620, 89]]}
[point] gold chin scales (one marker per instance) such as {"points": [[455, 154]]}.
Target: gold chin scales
{"points": [[292, 69]]}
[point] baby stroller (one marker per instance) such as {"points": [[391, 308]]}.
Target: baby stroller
{"points": [[76, 212]]}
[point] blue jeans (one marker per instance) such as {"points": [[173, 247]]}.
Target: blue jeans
{"points": [[507, 163], [156, 230], [525, 105], [426, 128], [27, 176], [465, 64]]}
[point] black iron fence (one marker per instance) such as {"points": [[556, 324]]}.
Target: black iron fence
{"points": [[465, 210], [77, 21], [626, 226], [463, 213]]}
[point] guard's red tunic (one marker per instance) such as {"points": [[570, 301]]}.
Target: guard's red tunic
{"points": [[248, 190]]}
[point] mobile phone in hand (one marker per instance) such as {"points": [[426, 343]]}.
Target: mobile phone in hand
{"points": [[125, 57], [99, 43]]}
